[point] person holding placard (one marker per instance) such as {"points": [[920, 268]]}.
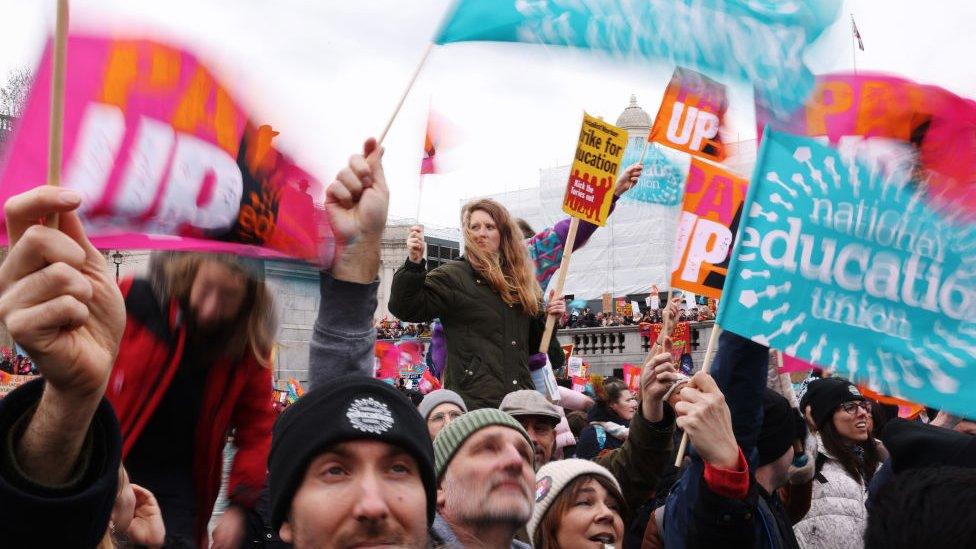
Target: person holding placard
{"points": [[488, 301]]}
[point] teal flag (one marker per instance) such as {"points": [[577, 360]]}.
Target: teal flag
{"points": [[851, 267], [760, 41], [661, 180]]}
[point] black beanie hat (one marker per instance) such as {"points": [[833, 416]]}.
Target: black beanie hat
{"points": [[352, 407], [778, 428], [824, 395], [913, 444]]}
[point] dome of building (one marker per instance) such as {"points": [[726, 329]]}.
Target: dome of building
{"points": [[634, 117]]}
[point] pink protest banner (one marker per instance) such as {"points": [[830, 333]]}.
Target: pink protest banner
{"points": [[939, 126], [579, 383], [165, 158], [632, 373]]}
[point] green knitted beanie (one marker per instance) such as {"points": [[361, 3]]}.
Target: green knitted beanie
{"points": [[452, 437]]}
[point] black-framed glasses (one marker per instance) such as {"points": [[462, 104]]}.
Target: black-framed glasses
{"points": [[851, 407]]}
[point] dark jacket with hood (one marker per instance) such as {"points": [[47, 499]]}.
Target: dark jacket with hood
{"points": [[594, 439], [75, 514], [694, 513]]}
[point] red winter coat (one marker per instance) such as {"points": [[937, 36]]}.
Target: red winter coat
{"points": [[236, 395]]}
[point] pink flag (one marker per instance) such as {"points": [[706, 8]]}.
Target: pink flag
{"points": [[791, 364], [632, 373], [440, 134], [936, 125], [165, 157]]}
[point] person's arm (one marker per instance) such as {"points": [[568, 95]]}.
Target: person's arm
{"points": [[253, 418], [739, 370], [715, 464], [344, 336], [640, 462], [81, 504], [61, 443], [546, 247], [416, 295], [724, 513]]}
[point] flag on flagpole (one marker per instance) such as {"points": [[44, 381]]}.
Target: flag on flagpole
{"points": [[857, 34], [441, 134], [427, 164]]}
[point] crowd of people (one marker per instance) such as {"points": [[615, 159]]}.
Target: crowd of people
{"points": [[14, 363], [120, 443], [394, 330], [585, 318]]}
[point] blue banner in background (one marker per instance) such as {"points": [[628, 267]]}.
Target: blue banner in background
{"points": [[842, 265], [760, 41], [661, 181]]}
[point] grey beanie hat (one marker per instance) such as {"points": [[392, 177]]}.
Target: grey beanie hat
{"points": [[434, 399]]}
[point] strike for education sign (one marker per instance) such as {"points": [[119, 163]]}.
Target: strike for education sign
{"points": [[691, 114], [709, 220], [165, 158], [853, 269], [593, 175]]}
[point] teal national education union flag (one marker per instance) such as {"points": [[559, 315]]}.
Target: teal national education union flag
{"points": [[760, 41], [850, 267]]}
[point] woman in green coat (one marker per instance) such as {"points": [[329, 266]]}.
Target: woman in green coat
{"points": [[488, 301]]}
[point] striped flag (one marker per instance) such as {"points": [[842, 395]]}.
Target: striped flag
{"points": [[857, 34]]}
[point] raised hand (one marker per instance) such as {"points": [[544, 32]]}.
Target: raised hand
{"points": [[357, 201], [703, 414], [555, 307], [657, 375], [58, 302], [146, 528], [415, 243], [57, 298], [627, 179]]}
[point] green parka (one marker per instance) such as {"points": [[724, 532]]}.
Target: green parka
{"points": [[488, 341]]}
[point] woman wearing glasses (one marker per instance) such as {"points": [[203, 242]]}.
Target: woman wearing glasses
{"points": [[847, 459]]}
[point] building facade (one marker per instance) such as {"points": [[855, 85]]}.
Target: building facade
{"points": [[295, 287]]}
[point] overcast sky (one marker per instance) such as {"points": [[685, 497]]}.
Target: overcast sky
{"points": [[327, 74]]}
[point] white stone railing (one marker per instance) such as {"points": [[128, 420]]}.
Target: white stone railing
{"points": [[607, 348]]}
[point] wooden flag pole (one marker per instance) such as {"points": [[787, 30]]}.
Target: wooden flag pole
{"points": [[406, 92], [560, 281], [56, 128], [709, 355], [420, 197], [643, 152]]}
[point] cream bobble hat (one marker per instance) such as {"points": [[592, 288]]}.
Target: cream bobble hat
{"points": [[553, 477]]}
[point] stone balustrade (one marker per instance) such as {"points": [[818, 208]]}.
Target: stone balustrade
{"points": [[607, 348]]}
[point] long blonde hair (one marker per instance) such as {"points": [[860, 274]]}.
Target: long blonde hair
{"points": [[256, 324], [511, 271]]}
